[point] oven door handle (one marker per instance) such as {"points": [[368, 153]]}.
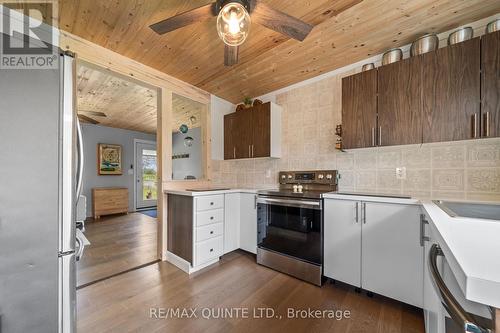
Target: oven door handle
{"points": [[311, 204], [456, 311]]}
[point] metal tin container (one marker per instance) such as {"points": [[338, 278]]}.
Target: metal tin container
{"points": [[424, 44], [493, 26], [367, 67], [460, 35], [391, 56]]}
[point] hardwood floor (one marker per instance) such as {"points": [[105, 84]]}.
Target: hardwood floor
{"points": [[123, 303], [117, 243]]}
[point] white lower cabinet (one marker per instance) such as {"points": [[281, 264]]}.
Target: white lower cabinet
{"points": [[231, 222], [208, 250], [208, 229], [392, 258], [248, 222], [342, 241], [375, 246]]}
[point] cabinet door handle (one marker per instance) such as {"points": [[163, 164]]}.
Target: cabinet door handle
{"points": [[356, 208], [487, 124], [423, 222], [474, 126], [364, 212], [252, 151], [234, 152], [373, 136], [380, 135], [211, 217], [211, 250], [211, 232]]}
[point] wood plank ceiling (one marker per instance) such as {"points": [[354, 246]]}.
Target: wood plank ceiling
{"points": [[126, 104], [346, 31]]}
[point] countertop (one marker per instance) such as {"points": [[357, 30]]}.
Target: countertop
{"points": [[371, 196], [193, 193], [472, 248]]}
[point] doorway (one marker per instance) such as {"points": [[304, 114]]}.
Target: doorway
{"points": [[145, 175], [119, 111]]}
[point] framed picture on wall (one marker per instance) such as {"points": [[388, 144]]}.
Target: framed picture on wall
{"points": [[109, 159]]}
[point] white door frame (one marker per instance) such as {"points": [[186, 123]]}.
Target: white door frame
{"points": [[136, 141]]}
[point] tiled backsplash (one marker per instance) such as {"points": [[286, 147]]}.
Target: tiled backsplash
{"points": [[447, 170]]}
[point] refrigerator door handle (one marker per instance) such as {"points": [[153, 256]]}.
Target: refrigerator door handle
{"points": [[79, 143], [68, 137], [81, 247]]}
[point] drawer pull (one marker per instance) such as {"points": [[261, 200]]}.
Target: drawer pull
{"points": [[211, 232], [211, 217], [211, 250], [211, 204]]}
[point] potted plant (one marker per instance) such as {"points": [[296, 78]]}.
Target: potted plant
{"points": [[247, 101]]}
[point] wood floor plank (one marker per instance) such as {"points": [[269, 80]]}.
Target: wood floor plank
{"points": [[122, 303], [117, 243]]}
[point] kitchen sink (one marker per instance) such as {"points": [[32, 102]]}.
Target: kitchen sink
{"points": [[470, 210]]}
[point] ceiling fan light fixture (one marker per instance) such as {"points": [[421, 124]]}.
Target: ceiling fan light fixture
{"points": [[233, 24]]}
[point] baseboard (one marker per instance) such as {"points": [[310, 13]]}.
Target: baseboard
{"points": [[186, 266], [178, 262]]}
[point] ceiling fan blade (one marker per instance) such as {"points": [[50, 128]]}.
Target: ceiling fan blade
{"points": [[278, 21], [183, 19], [230, 55], [93, 113], [86, 119]]}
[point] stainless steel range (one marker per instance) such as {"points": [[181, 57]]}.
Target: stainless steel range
{"points": [[290, 224]]}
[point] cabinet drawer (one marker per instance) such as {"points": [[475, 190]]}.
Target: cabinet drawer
{"points": [[209, 217], [209, 231], [210, 202], [208, 250]]}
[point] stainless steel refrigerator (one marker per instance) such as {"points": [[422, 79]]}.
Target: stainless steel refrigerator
{"points": [[40, 181]]}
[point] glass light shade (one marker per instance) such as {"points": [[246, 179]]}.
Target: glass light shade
{"points": [[183, 128], [188, 141], [233, 24]]}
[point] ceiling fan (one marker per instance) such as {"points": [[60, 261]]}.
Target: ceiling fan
{"points": [[86, 119], [233, 23]]}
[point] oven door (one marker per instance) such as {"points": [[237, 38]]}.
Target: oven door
{"points": [[291, 226]]}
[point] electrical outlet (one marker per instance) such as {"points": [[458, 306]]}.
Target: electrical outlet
{"points": [[401, 173]]}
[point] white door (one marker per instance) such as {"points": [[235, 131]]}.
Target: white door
{"points": [[146, 175], [342, 241], [248, 222], [392, 257]]}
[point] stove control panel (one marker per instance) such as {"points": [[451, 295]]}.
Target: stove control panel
{"points": [[308, 177]]}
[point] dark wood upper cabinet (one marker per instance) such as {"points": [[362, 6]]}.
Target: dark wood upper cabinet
{"points": [[359, 110], [490, 85], [451, 92], [243, 134], [229, 133], [253, 132], [261, 145], [399, 103]]}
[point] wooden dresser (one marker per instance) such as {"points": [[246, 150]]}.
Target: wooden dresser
{"points": [[109, 200]]}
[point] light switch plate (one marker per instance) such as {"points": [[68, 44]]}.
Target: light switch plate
{"points": [[401, 173]]}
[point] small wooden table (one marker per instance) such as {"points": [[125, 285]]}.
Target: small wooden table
{"points": [[109, 200]]}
